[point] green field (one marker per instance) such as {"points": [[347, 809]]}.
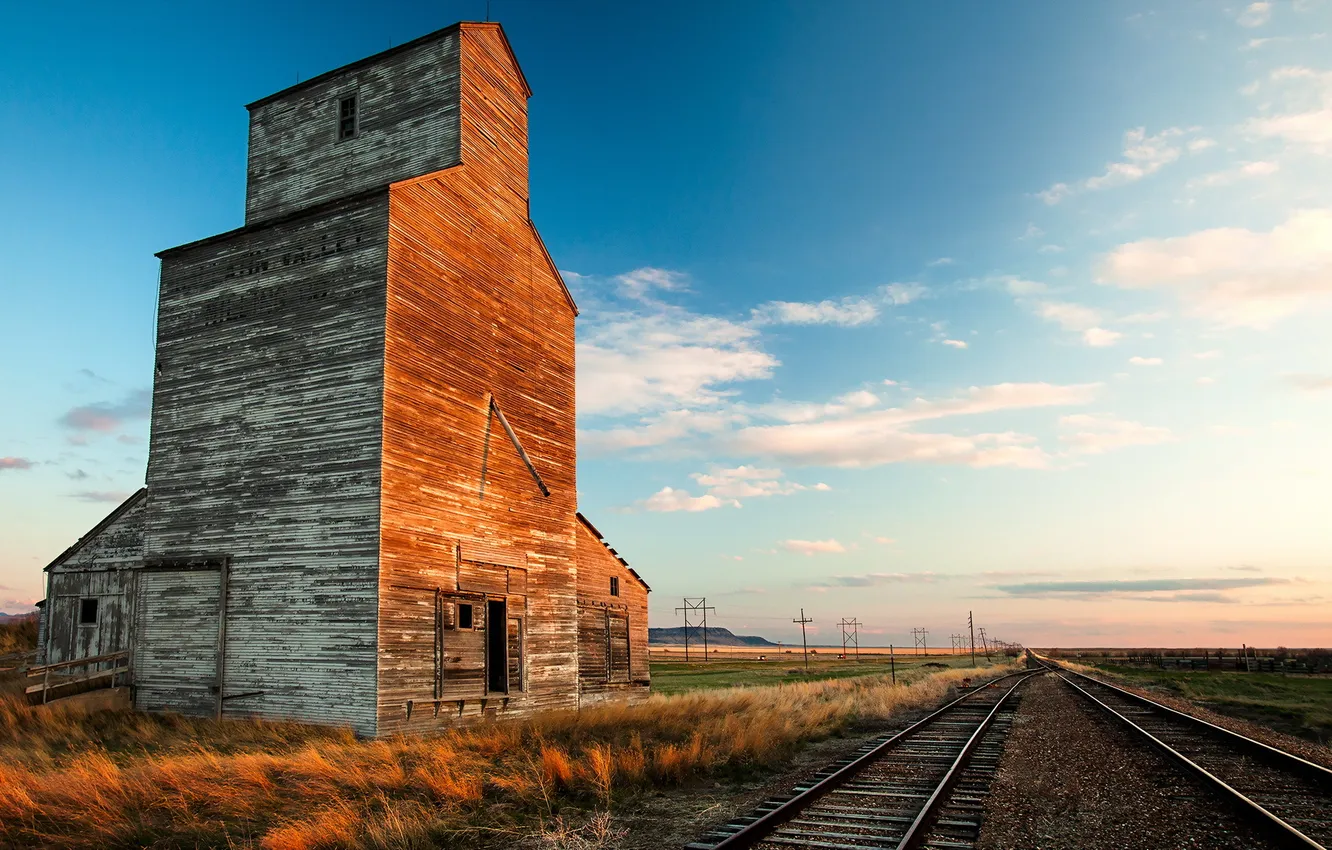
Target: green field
{"points": [[676, 677], [1298, 705]]}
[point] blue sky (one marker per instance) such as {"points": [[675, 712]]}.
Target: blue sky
{"points": [[890, 311]]}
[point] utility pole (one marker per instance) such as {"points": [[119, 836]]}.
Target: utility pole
{"points": [[919, 636], [892, 664], [984, 645], [694, 608], [803, 644], [972, 627], [854, 625]]}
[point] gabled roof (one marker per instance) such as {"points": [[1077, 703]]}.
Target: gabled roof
{"points": [[597, 534], [99, 528], [384, 54]]}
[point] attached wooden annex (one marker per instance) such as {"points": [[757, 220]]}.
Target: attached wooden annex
{"points": [[361, 500]]}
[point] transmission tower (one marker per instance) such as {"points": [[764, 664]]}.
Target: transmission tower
{"points": [[919, 635], [695, 615], [853, 636]]}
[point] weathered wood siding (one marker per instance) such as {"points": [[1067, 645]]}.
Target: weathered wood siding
{"points": [[97, 567], [265, 448], [407, 102], [175, 651], [478, 324], [612, 630]]}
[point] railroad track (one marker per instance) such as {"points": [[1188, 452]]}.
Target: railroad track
{"points": [[921, 788], [1286, 796]]}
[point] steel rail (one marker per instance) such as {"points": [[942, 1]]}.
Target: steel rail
{"points": [[755, 832], [1287, 761], [919, 828], [1282, 831]]}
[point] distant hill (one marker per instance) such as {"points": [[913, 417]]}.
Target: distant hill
{"points": [[716, 637], [9, 618]]}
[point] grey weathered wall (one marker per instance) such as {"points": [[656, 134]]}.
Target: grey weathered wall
{"points": [[408, 105], [175, 654], [98, 568], [265, 447]]}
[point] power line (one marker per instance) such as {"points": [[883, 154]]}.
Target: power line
{"points": [[802, 621], [695, 608], [854, 636], [971, 626], [919, 635]]}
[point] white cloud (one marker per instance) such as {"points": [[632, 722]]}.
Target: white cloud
{"points": [[786, 411], [1087, 434], [884, 540], [1146, 361], [1142, 155], [668, 500], [1207, 355], [955, 343], [1311, 383], [1050, 249], [641, 362], [898, 294], [1255, 14], [1070, 317], [1196, 145], [1020, 286], [845, 312], [668, 427], [1032, 232], [1309, 124], [1245, 170], [813, 547], [942, 261], [1079, 318], [848, 312], [876, 437], [1205, 381], [1232, 275], [726, 487], [640, 283], [1100, 337]]}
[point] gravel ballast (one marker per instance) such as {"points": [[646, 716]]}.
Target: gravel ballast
{"points": [[1070, 779]]}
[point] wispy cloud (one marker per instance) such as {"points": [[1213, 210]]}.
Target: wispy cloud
{"points": [[1311, 383], [1255, 14], [875, 437], [15, 463], [876, 579], [813, 547], [1145, 361], [955, 343], [1092, 435], [1232, 275], [1142, 155], [848, 312], [107, 417], [1058, 588], [100, 496], [727, 487]]}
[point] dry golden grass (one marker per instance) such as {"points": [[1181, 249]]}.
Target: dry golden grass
{"points": [[120, 779]]}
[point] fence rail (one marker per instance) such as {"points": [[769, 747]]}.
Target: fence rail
{"points": [[101, 671]]}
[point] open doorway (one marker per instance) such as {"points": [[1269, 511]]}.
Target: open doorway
{"points": [[497, 646]]}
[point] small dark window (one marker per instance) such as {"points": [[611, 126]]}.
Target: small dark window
{"points": [[615, 585], [464, 615], [347, 117], [87, 612]]}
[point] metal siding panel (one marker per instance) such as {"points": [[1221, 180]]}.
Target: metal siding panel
{"points": [[475, 312], [265, 446], [409, 126], [175, 654]]}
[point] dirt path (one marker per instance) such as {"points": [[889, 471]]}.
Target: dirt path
{"points": [[1069, 779]]}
